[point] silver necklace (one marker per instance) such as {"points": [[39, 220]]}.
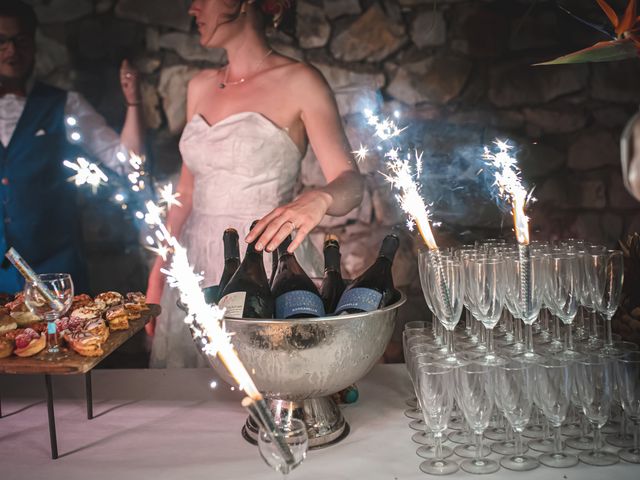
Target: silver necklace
{"points": [[226, 83]]}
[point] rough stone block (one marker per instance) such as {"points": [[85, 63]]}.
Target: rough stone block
{"points": [[312, 25], [594, 149], [166, 13]]}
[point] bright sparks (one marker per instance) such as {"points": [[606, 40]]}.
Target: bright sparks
{"points": [[86, 173], [168, 197], [402, 177], [361, 153], [509, 183]]}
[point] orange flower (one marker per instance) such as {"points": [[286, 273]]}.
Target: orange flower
{"points": [[628, 26]]}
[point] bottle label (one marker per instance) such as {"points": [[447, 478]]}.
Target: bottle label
{"points": [[233, 303], [299, 302], [364, 299]]}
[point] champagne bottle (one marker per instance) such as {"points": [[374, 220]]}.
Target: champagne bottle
{"points": [[295, 293], [231, 257], [332, 286], [247, 295], [374, 288]]}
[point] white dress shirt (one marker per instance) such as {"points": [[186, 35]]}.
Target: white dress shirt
{"points": [[99, 140]]}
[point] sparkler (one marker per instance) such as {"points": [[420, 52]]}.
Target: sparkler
{"points": [[509, 182], [401, 176]]}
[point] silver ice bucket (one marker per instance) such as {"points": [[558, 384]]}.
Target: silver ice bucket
{"points": [[298, 364]]}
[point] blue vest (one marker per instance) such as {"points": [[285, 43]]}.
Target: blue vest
{"points": [[39, 214]]}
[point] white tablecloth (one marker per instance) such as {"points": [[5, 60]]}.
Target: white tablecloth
{"points": [[168, 424]]}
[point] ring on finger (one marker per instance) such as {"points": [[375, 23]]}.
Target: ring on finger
{"points": [[293, 225]]}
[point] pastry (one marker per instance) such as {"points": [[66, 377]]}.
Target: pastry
{"points": [[137, 297], [85, 343], [7, 323], [118, 318], [97, 327], [25, 319], [29, 343], [79, 301], [85, 313], [6, 347], [17, 305], [109, 298]]}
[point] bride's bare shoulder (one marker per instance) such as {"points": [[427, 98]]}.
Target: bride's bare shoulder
{"points": [[203, 77], [303, 76]]}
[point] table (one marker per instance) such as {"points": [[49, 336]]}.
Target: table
{"points": [[68, 362], [169, 424]]}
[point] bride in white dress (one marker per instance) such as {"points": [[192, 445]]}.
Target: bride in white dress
{"points": [[248, 125]]}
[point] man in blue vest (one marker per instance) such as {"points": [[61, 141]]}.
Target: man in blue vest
{"points": [[38, 210]]}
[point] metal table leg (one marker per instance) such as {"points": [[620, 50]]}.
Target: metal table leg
{"points": [[88, 394], [52, 419]]}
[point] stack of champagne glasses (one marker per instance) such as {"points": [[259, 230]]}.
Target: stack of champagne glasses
{"points": [[519, 384]]}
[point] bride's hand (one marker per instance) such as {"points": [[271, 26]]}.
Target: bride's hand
{"points": [[301, 215]]}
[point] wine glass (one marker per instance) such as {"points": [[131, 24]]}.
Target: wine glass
{"points": [[294, 433], [514, 386], [595, 378], [529, 302], [563, 282], [628, 376], [61, 286], [475, 396], [553, 381], [435, 387], [611, 275], [486, 279], [447, 279]]}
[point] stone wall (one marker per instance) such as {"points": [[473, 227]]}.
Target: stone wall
{"points": [[458, 71]]}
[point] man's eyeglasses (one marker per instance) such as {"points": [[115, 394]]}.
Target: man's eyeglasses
{"points": [[19, 41]]}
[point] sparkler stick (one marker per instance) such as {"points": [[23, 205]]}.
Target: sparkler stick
{"points": [[30, 276], [509, 183]]}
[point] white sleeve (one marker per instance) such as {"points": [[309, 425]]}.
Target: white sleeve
{"points": [[90, 130]]}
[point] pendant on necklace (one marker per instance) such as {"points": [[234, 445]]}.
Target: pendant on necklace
{"points": [[221, 85]]}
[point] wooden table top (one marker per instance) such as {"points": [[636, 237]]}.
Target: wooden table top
{"points": [[68, 362]]}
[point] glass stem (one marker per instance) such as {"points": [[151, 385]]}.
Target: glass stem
{"points": [[467, 320], [478, 438], [623, 425], [519, 451], [584, 426], [450, 349], [508, 437], [597, 434], [529, 329], [636, 435], [609, 333], [546, 433], [594, 325], [557, 440], [568, 337], [437, 436], [490, 343]]}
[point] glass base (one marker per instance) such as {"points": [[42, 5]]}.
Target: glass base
{"points": [[580, 443], [544, 445], [411, 402], [533, 431], [469, 450], [460, 437], [519, 463], [554, 347], [422, 438], [569, 355], [417, 425], [429, 452], [438, 467], [505, 448], [496, 434], [622, 441], [599, 459], [413, 413], [571, 430], [630, 455], [558, 460], [529, 357], [480, 467]]}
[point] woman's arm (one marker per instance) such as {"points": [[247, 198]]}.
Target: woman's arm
{"points": [[132, 135], [345, 185], [175, 219], [630, 152]]}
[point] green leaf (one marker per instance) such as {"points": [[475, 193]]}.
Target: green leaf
{"points": [[600, 52]]}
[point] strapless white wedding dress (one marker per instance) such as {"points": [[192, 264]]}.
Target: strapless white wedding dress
{"points": [[243, 167]]}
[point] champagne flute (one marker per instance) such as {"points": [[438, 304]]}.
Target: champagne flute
{"points": [[628, 376], [563, 292], [611, 275]]}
